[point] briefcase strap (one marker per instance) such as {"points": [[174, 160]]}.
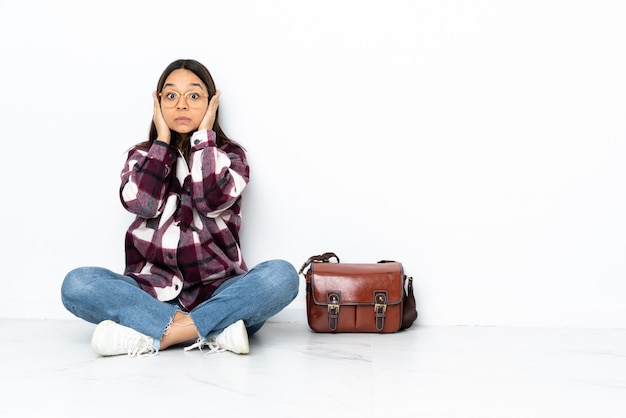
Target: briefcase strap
{"points": [[380, 308], [324, 258], [333, 300]]}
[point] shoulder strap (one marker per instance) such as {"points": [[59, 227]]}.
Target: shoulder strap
{"points": [[324, 258]]}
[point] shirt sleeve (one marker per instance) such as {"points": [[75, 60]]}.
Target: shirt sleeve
{"points": [[218, 174], [145, 178]]}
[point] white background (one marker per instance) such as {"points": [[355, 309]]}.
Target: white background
{"points": [[481, 143]]}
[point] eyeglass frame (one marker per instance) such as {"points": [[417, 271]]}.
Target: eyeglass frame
{"points": [[181, 95]]}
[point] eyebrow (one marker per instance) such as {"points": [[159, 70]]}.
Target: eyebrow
{"points": [[191, 84]]}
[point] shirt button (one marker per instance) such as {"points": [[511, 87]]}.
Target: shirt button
{"points": [[196, 142], [170, 256]]}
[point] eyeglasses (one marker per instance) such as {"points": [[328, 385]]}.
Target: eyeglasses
{"points": [[171, 98]]}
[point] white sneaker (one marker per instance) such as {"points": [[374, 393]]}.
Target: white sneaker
{"points": [[234, 338], [112, 339]]}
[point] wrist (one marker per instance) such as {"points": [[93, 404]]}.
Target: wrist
{"points": [[165, 139], [202, 136]]}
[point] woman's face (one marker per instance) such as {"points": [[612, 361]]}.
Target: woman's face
{"points": [[184, 101]]}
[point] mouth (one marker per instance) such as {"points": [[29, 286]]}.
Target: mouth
{"points": [[182, 119]]}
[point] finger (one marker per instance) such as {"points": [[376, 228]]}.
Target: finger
{"points": [[157, 105], [214, 103]]}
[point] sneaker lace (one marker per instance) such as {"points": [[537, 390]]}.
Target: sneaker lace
{"points": [[142, 348], [211, 343], [214, 346], [198, 344]]}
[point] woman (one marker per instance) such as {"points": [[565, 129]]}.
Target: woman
{"points": [[185, 277]]}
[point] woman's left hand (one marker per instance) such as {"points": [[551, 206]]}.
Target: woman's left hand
{"points": [[209, 118]]}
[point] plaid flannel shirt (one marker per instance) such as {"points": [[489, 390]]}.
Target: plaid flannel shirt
{"points": [[184, 241]]}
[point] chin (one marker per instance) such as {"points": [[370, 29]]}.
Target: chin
{"points": [[185, 130]]}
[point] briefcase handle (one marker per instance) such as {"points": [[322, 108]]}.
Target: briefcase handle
{"points": [[324, 258]]}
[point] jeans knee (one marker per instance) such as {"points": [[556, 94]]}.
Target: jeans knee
{"points": [[284, 277], [76, 283], [71, 285]]}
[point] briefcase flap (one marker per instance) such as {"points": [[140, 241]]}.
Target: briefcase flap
{"points": [[357, 283]]}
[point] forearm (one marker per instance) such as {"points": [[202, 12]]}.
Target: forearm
{"points": [[145, 179], [219, 176]]}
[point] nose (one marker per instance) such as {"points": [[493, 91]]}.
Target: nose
{"points": [[182, 102]]}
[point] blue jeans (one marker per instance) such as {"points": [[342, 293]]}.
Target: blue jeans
{"points": [[95, 294]]}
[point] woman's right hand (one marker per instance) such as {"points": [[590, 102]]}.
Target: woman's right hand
{"points": [[163, 131]]}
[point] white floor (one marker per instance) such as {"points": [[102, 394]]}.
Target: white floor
{"points": [[49, 370]]}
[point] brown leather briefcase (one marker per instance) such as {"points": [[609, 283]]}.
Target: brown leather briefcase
{"points": [[362, 297]]}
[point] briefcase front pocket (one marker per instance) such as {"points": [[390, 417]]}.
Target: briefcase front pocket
{"points": [[345, 297]]}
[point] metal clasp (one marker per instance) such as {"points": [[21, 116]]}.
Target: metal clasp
{"points": [[380, 299], [333, 304]]}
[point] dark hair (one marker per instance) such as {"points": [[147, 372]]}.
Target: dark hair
{"points": [[203, 74]]}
